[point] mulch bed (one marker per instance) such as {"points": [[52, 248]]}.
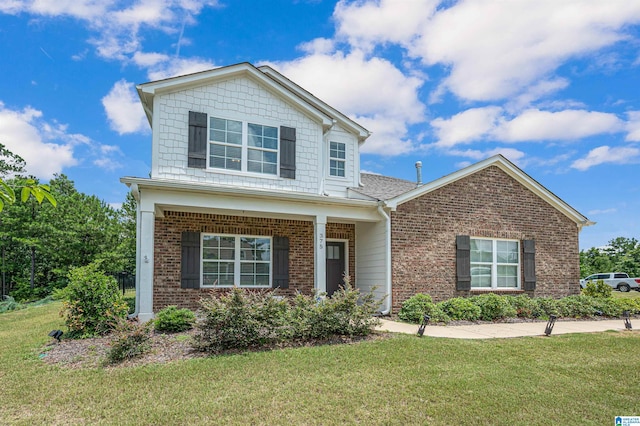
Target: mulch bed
{"points": [[91, 353]]}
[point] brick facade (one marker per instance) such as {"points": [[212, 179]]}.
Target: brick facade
{"points": [[167, 251], [489, 204]]}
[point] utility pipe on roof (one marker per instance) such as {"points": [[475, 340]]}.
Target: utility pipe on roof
{"points": [[387, 257]]}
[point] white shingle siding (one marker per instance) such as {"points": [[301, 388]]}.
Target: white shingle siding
{"points": [[243, 99]]}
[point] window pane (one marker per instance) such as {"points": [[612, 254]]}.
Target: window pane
{"points": [[218, 124], [270, 169], [255, 167], [254, 140], [247, 280], [507, 276], [227, 254], [234, 138], [507, 251], [262, 280], [270, 157], [254, 129], [480, 275], [271, 132], [248, 268], [481, 250], [270, 143], [234, 126], [210, 267]]}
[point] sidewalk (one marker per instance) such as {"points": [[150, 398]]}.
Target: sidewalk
{"points": [[503, 330]]}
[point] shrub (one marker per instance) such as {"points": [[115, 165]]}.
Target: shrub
{"points": [[94, 304], [577, 306], [525, 306], [460, 308], [173, 320], [241, 319], [414, 309], [597, 289], [345, 313], [9, 304], [631, 305], [493, 307], [548, 306], [130, 339], [233, 321]]}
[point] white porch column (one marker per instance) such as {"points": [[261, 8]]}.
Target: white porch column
{"points": [[320, 250], [144, 294]]}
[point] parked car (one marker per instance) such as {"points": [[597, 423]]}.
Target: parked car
{"points": [[617, 280]]}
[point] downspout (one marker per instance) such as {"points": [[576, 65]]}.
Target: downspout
{"points": [[387, 257], [135, 191], [324, 157]]}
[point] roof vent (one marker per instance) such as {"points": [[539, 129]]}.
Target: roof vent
{"points": [[419, 172]]}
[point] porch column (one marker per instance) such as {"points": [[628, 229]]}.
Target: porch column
{"points": [[320, 250], [144, 292]]}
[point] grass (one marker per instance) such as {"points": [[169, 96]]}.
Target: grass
{"points": [[567, 379], [628, 295]]}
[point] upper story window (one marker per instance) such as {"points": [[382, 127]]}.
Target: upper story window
{"points": [[237, 145], [337, 159], [495, 263]]}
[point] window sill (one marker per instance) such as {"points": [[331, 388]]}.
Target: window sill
{"points": [[497, 290], [242, 174]]}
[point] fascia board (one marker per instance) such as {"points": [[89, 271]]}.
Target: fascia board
{"points": [[147, 91], [208, 189], [342, 119], [509, 168]]}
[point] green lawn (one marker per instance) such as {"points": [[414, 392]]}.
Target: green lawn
{"points": [[629, 295], [562, 380]]}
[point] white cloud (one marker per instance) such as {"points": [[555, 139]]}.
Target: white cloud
{"points": [[533, 125], [601, 211], [172, 67], [371, 90], [123, 109], [467, 126], [633, 126], [115, 26], [516, 44], [605, 154], [47, 148], [366, 23], [491, 50]]}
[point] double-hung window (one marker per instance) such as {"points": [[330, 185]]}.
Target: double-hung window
{"points": [[229, 260], [495, 264], [337, 159], [242, 146]]}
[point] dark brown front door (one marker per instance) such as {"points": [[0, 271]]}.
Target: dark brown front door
{"points": [[335, 266]]}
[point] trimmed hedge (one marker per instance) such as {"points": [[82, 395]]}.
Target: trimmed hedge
{"points": [[596, 301]]}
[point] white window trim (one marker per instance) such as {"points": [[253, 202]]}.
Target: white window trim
{"points": [[494, 266], [236, 261], [244, 154], [329, 158]]}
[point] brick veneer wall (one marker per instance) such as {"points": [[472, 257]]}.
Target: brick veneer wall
{"points": [[168, 234], [489, 204]]}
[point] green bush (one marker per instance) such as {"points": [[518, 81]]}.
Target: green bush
{"points": [[174, 320], [460, 308], [577, 306], [597, 289], [525, 306], [414, 309], [493, 307], [9, 304], [232, 321], [94, 304], [243, 319], [548, 306], [631, 305], [130, 340]]}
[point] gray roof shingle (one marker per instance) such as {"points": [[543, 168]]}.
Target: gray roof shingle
{"points": [[382, 187]]}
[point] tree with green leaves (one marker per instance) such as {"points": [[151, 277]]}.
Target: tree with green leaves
{"points": [[620, 255]]}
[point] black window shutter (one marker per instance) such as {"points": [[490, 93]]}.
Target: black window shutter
{"points": [[287, 152], [463, 262], [529, 264], [190, 261], [197, 140], [280, 262]]}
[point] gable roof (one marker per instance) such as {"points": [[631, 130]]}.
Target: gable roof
{"points": [[510, 169], [266, 76], [382, 187]]}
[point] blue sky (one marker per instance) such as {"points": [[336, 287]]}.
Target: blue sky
{"points": [[552, 85]]}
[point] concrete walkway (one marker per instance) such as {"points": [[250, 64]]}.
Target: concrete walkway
{"points": [[503, 330]]}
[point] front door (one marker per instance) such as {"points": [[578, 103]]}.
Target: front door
{"points": [[335, 266]]}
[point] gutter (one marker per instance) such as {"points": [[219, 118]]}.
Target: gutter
{"points": [[387, 258]]}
